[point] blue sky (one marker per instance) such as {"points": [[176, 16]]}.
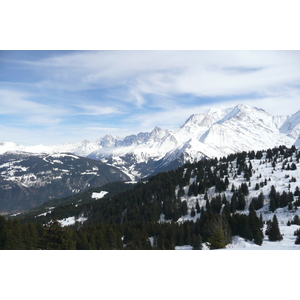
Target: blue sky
{"points": [[51, 97]]}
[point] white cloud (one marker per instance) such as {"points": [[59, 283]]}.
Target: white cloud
{"points": [[14, 103], [165, 87], [96, 110], [167, 73]]}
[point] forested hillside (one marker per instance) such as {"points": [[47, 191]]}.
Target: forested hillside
{"points": [[28, 180], [205, 205]]}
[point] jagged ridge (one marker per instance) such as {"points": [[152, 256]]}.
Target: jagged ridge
{"points": [[216, 133]]}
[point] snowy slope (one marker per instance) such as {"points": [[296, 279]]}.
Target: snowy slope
{"points": [[263, 171], [214, 134], [238, 243], [272, 172], [27, 180], [291, 126]]}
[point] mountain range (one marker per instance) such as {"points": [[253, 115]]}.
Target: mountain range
{"points": [[216, 133], [28, 180]]}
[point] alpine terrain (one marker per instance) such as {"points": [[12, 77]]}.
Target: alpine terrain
{"points": [[246, 200], [216, 133], [27, 180]]}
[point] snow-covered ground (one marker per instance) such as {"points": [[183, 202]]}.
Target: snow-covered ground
{"points": [[238, 243], [71, 221], [100, 195], [184, 247], [262, 172], [287, 243]]}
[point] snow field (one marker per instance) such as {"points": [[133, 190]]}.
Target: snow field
{"points": [[261, 171], [99, 195], [71, 221]]}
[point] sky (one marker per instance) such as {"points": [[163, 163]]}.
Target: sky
{"points": [[52, 97]]}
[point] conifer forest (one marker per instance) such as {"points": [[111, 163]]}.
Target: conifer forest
{"points": [[205, 205]]}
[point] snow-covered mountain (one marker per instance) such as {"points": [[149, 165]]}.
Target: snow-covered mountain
{"points": [[28, 180], [217, 133]]}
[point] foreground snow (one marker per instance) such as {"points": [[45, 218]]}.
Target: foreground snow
{"points": [[288, 242], [238, 243]]}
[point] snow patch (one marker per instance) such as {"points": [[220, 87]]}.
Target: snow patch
{"points": [[71, 221], [99, 195]]}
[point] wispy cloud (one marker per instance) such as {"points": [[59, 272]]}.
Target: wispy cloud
{"points": [[202, 73], [97, 110], [16, 104]]}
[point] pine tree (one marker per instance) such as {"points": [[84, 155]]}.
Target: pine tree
{"points": [[226, 181], [283, 200], [196, 242], [273, 206], [218, 240], [197, 207], [14, 239], [297, 192], [56, 238], [184, 208], [254, 224], [274, 232], [274, 199], [233, 203], [241, 202], [193, 212], [216, 231]]}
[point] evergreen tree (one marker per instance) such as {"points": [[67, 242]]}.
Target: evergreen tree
{"points": [[260, 201], [274, 232], [184, 208], [226, 182], [255, 226], [283, 199], [56, 238], [233, 203], [297, 192], [14, 236], [196, 242], [273, 199], [244, 189], [193, 212], [273, 205], [197, 207], [216, 231], [241, 202], [217, 240]]}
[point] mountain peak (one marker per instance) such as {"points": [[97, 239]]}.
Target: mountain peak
{"points": [[157, 134], [216, 133], [107, 141], [195, 119], [157, 130]]}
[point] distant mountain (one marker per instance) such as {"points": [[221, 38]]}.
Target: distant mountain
{"points": [[27, 180], [216, 133]]}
